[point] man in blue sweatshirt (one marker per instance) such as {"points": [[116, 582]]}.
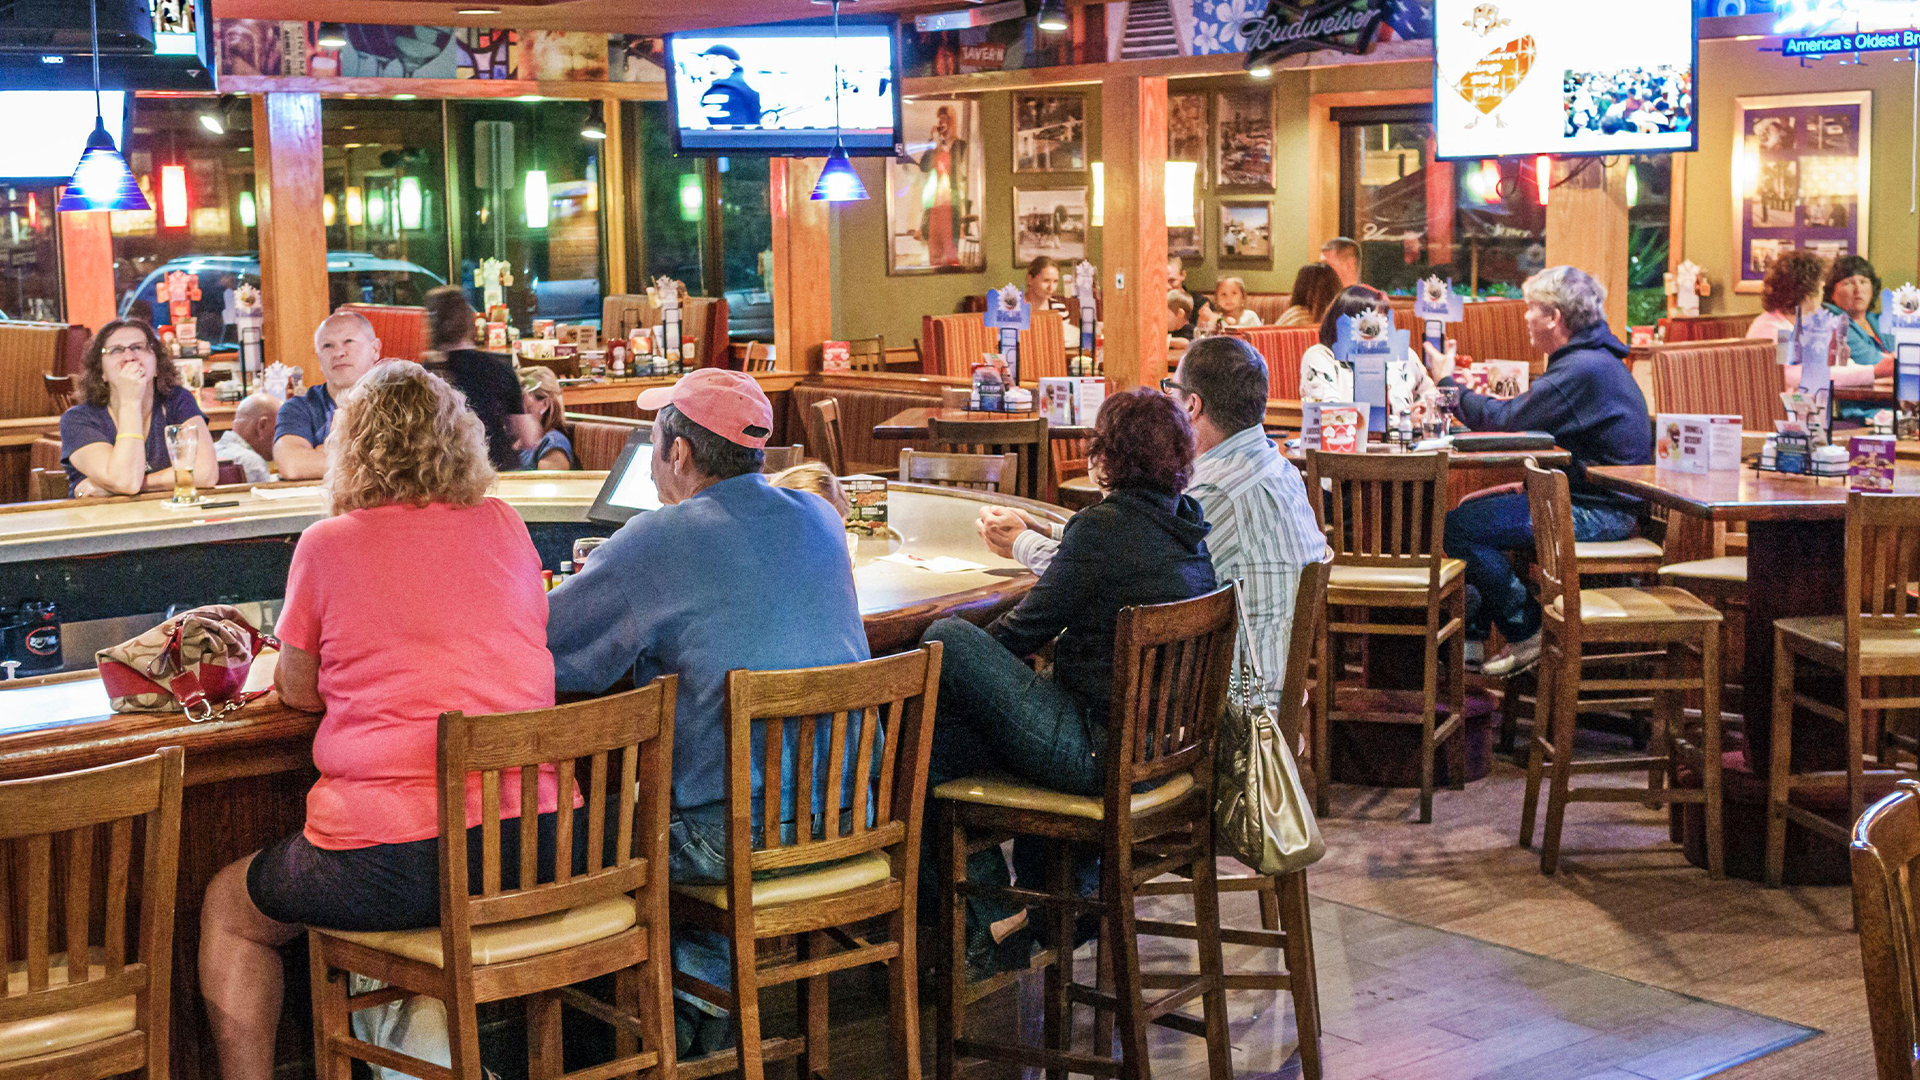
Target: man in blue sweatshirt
{"points": [[1587, 400]]}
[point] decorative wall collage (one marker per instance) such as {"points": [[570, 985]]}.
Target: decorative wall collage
{"points": [[245, 47]]}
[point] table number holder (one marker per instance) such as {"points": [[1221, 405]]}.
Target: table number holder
{"points": [[1009, 313], [1436, 304], [1900, 320], [248, 318], [666, 295], [1366, 343], [1083, 275]]}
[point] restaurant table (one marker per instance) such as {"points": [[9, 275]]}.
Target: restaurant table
{"points": [[248, 773], [912, 423], [1796, 537]]}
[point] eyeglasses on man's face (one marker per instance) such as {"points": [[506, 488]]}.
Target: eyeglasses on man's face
{"points": [[1169, 384]]}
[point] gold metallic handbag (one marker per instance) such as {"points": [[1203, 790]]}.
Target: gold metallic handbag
{"points": [[1262, 814]]}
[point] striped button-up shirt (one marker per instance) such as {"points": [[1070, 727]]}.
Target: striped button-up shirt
{"points": [[1263, 533]]}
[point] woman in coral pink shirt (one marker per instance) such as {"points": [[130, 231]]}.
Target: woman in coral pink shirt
{"points": [[417, 595]]}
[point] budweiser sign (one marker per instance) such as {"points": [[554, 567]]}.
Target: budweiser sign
{"points": [[1288, 28]]}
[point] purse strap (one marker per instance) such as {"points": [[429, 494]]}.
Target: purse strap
{"points": [[1252, 685]]}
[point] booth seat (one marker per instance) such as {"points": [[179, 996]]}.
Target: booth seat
{"points": [[1269, 305], [950, 344], [1282, 347], [1728, 376], [860, 410], [1705, 327], [402, 330], [29, 352]]}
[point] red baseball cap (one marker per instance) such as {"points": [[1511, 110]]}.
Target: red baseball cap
{"points": [[728, 403]]}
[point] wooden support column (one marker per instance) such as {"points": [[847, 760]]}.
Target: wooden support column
{"points": [[802, 265], [1587, 226], [613, 187], [288, 189], [86, 267], [1133, 144]]}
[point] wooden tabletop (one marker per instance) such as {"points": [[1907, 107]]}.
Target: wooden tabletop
{"points": [[1553, 458], [912, 423], [1746, 495]]}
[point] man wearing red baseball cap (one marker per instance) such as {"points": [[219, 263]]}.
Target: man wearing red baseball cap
{"points": [[730, 572]]}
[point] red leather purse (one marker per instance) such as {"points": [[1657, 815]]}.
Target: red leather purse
{"points": [[182, 665]]}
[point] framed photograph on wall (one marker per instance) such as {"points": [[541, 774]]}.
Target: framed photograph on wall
{"points": [[935, 192], [1246, 233], [1243, 139], [1051, 222], [1801, 179], [1187, 131], [1049, 132]]}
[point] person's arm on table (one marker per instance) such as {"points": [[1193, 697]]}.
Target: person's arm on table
{"points": [[1013, 534], [1546, 406], [297, 679], [1044, 611], [596, 630], [297, 459]]}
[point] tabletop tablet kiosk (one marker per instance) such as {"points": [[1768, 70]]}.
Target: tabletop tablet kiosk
{"points": [[629, 488]]}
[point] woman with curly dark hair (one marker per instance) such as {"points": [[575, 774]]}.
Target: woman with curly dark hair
{"points": [[114, 442], [1791, 291], [1144, 543], [1853, 290]]}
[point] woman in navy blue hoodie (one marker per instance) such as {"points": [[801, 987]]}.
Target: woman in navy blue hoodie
{"points": [[1587, 400]]}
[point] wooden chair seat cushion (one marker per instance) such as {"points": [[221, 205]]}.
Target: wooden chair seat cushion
{"points": [[61, 1031], [1828, 634], [1013, 794], [1661, 604], [1633, 547], [1725, 568], [498, 943], [838, 877], [1390, 579]]}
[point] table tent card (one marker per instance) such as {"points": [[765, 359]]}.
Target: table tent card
{"points": [[1084, 333], [1366, 343], [1870, 463], [1696, 442], [1436, 304], [1900, 321], [1009, 313]]}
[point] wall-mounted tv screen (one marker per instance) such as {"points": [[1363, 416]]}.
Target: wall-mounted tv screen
{"points": [[47, 130], [770, 89], [1554, 77]]}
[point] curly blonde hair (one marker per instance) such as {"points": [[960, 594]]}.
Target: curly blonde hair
{"points": [[405, 437]]}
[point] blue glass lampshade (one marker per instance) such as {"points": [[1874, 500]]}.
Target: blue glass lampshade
{"points": [[838, 182], [102, 181]]}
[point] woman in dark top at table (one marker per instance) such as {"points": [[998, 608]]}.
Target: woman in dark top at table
{"points": [[1144, 543], [115, 441], [486, 378]]}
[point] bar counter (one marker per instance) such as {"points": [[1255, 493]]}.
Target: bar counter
{"points": [[248, 774]]}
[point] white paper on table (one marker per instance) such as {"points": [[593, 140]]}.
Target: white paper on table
{"points": [[285, 493], [942, 564]]}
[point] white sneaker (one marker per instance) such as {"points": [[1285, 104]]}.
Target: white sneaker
{"points": [[1520, 655]]}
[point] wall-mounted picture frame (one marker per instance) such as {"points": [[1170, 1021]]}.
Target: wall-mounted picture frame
{"points": [[1802, 178], [1187, 132], [1246, 233], [1243, 140], [1051, 222], [1049, 132], [935, 194]]}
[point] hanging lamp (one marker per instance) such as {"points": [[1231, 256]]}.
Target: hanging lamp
{"points": [[101, 179], [838, 182]]}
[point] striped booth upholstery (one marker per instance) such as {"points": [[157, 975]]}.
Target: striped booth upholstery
{"points": [[1705, 327], [1268, 305], [29, 352], [702, 318], [1497, 330], [860, 411], [402, 330], [1282, 346], [1721, 377], [597, 440], [950, 344]]}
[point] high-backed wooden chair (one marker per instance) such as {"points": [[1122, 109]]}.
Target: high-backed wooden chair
{"points": [[868, 727], [1386, 514], [1027, 439], [823, 432], [759, 357], [867, 354], [596, 905], [59, 392], [1886, 843], [1671, 622], [1876, 637], [74, 1004], [975, 472], [1170, 674], [1285, 923], [783, 457]]}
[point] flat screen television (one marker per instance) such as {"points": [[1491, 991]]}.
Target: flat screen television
{"points": [[1525, 77], [770, 89], [47, 129]]}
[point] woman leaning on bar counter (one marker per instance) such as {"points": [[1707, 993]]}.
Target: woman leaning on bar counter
{"points": [[114, 442]]}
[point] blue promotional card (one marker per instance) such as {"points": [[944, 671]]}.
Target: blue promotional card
{"points": [[1900, 323], [1366, 343], [1007, 309], [1435, 304]]}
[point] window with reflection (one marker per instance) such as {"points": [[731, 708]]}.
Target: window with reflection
{"points": [[385, 202], [30, 284], [673, 201], [747, 232]]}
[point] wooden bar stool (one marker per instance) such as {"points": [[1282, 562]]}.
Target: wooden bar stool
{"points": [[1171, 663], [1671, 621], [1886, 841], [974, 472], [109, 1015], [1285, 923], [1876, 637], [1025, 438], [858, 859], [1385, 515], [823, 431], [531, 940]]}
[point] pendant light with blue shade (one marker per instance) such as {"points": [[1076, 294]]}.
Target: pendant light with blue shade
{"points": [[101, 181], [838, 182]]}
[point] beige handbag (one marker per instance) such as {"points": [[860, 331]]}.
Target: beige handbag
{"points": [[1262, 814]]}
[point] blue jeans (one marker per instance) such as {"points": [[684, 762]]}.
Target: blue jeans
{"points": [[696, 855], [996, 715], [1480, 532]]}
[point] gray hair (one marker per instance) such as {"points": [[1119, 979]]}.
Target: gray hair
{"points": [[343, 315], [713, 455], [1580, 300]]}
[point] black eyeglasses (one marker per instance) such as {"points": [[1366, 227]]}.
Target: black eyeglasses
{"points": [[1169, 384]]}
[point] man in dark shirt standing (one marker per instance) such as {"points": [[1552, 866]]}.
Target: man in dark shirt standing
{"points": [[1587, 400], [729, 101]]}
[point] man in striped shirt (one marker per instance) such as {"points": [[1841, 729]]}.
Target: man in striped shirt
{"points": [[1263, 525]]}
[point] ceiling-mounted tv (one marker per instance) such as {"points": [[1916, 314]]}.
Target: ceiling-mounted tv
{"points": [[770, 89], [1515, 77]]}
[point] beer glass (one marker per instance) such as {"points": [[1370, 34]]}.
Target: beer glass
{"points": [[183, 446]]}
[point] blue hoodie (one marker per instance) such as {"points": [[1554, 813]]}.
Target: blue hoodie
{"points": [[1587, 400]]}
